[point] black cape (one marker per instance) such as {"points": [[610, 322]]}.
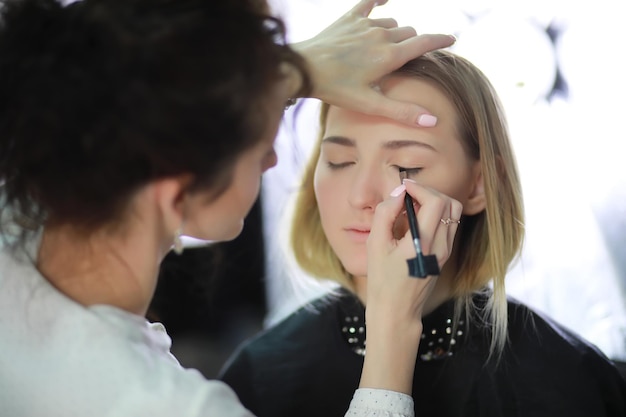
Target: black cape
{"points": [[306, 365]]}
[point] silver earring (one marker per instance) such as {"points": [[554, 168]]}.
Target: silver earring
{"points": [[178, 242]]}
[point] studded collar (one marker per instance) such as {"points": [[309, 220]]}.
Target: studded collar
{"points": [[440, 336]]}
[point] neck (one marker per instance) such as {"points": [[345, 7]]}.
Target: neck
{"points": [[102, 267]]}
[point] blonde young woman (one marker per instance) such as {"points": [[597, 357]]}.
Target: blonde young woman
{"points": [[479, 354]]}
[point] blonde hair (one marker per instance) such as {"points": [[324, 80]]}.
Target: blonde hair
{"points": [[486, 243]]}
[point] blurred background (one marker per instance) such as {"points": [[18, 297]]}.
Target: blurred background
{"points": [[558, 67]]}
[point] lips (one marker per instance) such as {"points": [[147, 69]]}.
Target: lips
{"points": [[358, 234]]}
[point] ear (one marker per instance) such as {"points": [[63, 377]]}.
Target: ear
{"points": [[170, 194], [476, 201]]}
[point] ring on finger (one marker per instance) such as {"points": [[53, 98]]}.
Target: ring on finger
{"points": [[449, 221]]}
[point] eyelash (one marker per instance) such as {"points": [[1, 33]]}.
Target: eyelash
{"points": [[409, 171], [334, 166]]}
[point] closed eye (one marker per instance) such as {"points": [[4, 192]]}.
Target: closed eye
{"points": [[409, 171], [333, 165]]}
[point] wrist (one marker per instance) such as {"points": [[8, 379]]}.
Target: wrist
{"points": [[391, 352]]}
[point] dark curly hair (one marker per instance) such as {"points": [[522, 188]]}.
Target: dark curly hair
{"points": [[99, 97]]}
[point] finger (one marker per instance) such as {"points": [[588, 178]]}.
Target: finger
{"points": [[429, 222], [418, 45], [365, 7], [387, 23], [401, 34], [456, 210], [385, 216], [433, 205], [443, 238], [408, 113]]}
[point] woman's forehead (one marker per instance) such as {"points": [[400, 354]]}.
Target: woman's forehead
{"points": [[406, 89], [355, 125]]}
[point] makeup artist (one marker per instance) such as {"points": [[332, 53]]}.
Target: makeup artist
{"points": [[475, 352], [125, 124]]}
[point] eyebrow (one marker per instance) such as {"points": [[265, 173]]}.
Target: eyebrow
{"points": [[392, 144]]}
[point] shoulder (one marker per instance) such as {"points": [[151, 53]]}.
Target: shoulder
{"points": [[543, 347], [316, 318], [547, 369], [285, 366], [86, 364], [528, 325], [299, 339]]}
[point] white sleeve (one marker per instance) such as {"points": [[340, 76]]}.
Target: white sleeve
{"points": [[220, 401], [368, 402]]}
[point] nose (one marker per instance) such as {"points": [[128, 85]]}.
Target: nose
{"points": [[367, 188], [270, 160]]}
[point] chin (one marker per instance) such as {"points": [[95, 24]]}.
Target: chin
{"points": [[224, 234], [356, 269], [227, 237], [354, 263]]}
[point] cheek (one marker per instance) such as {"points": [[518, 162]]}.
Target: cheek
{"points": [[269, 161], [245, 189], [462, 188], [323, 192], [328, 194], [452, 180]]}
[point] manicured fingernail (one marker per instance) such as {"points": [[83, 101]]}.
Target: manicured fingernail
{"points": [[427, 120], [408, 180], [398, 190], [453, 38]]}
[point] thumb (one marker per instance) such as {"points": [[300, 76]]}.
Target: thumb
{"points": [[381, 233], [364, 7]]}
